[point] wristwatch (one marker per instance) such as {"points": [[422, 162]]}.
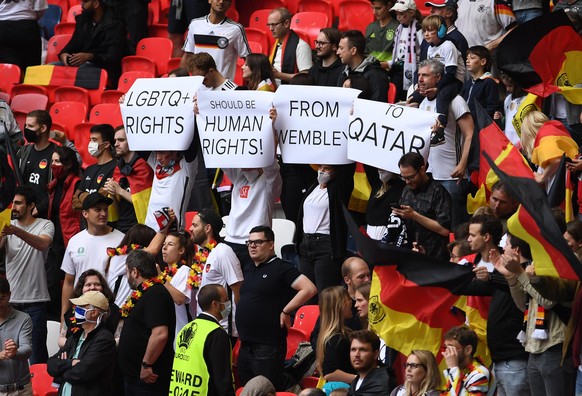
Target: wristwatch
{"points": [[145, 365]]}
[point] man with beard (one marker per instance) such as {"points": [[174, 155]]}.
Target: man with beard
{"points": [[328, 68], [27, 241], [371, 380], [222, 266]]}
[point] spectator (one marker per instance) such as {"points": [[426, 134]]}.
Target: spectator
{"points": [[17, 345], [485, 22], [88, 249], [130, 169], [224, 39], [481, 87], [258, 73], [258, 386], [425, 206], [83, 364], [370, 380], [222, 266], [485, 232], [35, 157], [145, 346], [382, 225], [464, 374], [328, 67], [362, 295], [202, 64], [448, 9], [102, 139], [515, 95], [322, 231], [27, 241], [422, 375], [351, 51], [67, 221], [380, 33], [459, 249], [502, 203], [20, 36], [179, 16], [451, 169], [333, 343], [204, 350], [278, 288], [573, 236], [290, 54], [98, 41]]}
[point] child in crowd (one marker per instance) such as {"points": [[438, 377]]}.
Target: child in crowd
{"points": [[435, 29], [515, 96], [406, 52], [482, 87], [380, 33]]}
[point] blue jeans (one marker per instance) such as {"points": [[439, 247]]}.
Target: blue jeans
{"points": [[545, 373], [37, 313], [511, 377], [262, 359], [458, 191], [578, 382], [522, 16]]}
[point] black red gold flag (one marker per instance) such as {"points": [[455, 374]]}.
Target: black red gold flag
{"points": [[88, 78]]}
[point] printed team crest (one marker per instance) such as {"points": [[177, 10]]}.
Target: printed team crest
{"points": [[244, 191], [99, 178], [222, 43], [375, 311], [390, 35], [187, 335], [207, 268], [42, 164], [81, 250]]}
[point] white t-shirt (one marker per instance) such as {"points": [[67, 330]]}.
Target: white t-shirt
{"points": [[303, 58], [442, 159], [86, 251], [172, 191], [510, 106], [479, 22], [25, 265], [316, 212], [224, 41], [116, 271], [449, 55], [223, 268], [252, 202], [180, 282], [21, 10]]}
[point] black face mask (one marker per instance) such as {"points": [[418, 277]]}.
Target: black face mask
{"points": [[30, 135]]}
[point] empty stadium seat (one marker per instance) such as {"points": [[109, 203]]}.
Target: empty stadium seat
{"points": [[72, 94], [157, 49], [11, 75], [28, 102], [128, 78], [42, 382], [258, 20], [318, 6], [65, 28], [309, 23], [111, 96], [68, 114], [259, 36], [355, 14], [106, 113], [20, 89], [246, 8], [306, 317], [55, 46], [73, 12]]}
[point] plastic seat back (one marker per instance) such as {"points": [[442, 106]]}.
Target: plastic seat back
{"points": [[306, 317], [65, 28], [28, 102], [158, 49], [69, 114], [323, 6], [284, 233], [106, 113], [73, 12], [55, 46], [309, 23], [72, 94], [128, 78], [258, 36], [355, 14], [249, 7]]}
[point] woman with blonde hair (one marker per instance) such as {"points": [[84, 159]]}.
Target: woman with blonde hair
{"points": [[333, 342], [422, 375], [543, 143]]}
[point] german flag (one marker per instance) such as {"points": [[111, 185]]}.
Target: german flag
{"points": [[494, 143], [560, 194], [362, 190], [552, 141], [88, 78], [530, 103], [534, 223], [140, 183], [544, 56]]}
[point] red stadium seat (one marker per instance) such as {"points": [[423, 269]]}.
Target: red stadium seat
{"points": [[20, 89], [174, 63], [318, 6], [42, 381], [65, 28], [158, 30], [72, 94], [392, 92], [238, 80], [20, 118], [128, 78], [355, 14], [55, 46], [81, 133], [11, 75], [68, 114], [306, 317], [106, 113], [138, 63], [246, 8], [258, 36], [256, 48], [232, 13], [153, 14], [73, 12], [309, 23], [258, 20], [29, 102], [294, 337], [157, 49], [111, 96], [5, 96]]}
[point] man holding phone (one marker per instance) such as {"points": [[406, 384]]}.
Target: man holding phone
{"points": [[425, 207]]}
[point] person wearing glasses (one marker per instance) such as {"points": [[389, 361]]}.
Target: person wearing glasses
{"points": [[290, 54], [425, 207], [328, 67], [271, 290], [371, 379], [422, 376]]}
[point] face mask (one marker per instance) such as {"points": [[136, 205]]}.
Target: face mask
{"points": [[93, 149], [58, 171], [251, 176], [30, 135], [385, 175], [324, 177], [80, 315], [227, 309]]}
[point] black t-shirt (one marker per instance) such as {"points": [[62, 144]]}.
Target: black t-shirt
{"points": [[38, 166], [263, 295], [126, 218], [96, 175], [337, 355], [154, 308]]}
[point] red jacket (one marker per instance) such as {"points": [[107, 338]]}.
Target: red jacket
{"points": [[70, 219]]}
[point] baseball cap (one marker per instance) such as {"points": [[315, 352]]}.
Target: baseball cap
{"points": [[404, 5], [94, 199], [94, 298], [211, 217], [442, 3]]}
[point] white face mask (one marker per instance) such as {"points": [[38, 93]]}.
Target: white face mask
{"points": [[385, 175], [227, 309], [324, 177], [251, 175], [93, 149]]}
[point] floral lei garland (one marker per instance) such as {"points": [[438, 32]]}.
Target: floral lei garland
{"points": [[125, 249], [194, 278]]}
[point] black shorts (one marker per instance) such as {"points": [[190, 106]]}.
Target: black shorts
{"points": [[190, 9]]}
